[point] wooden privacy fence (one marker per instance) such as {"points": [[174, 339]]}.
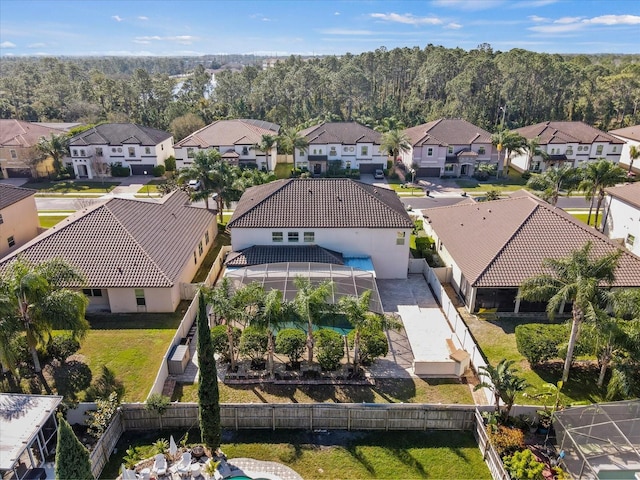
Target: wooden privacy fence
{"points": [[104, 446], [321, 416], [489, 453]]}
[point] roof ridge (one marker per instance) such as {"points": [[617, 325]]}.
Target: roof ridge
{"points": [[285, 182], [366, 187]]}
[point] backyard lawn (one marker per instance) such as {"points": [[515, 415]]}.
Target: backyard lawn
{"points": [[341, 455], [75, 186], [283, 170], [400, 188]]}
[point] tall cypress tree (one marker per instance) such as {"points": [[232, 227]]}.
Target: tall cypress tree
{"points": [[209, 397], [72, 458]]}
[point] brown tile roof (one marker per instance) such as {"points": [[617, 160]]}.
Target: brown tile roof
{"points": [[18, 133], [345, 133], [632, 133], [566, 132], [502, 243], [261, 254], [229, 132], [447, 131], [319, 203], [125, 243], [629, 193], [120, 134], [10, 194]]}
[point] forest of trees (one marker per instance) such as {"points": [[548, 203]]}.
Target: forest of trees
{"points": [[412, 85]]}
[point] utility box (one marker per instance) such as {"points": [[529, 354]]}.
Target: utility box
{"points": [[179, 359]]}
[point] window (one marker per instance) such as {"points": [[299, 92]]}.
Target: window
{"points": [[569, 150], [119, 149], [98, 151], [11, 241], [82, 153], [140, 301], [429, 152], [448, 168], [481, 150], [245, 151], [400, 238], [200, 249], [553, 150], [599, 150], [190, 152], [92, 292], [309, 237], [132, 151], [333, 152], [206, 238], [450, 149], [14, 154], [293, 237], [195, 258], [615, 149], [630, 240], [1, 219], [365, 150], [301, 153], [75, 152], [347, 165], [113, 150], [277, 237], [147, 150]]}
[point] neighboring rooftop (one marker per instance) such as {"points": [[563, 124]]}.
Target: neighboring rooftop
{"points": [[229, 132], [566, 132], [632, 133], [503, 242], [319, 203], [120, 134], [21, 134], [345, 133], [125, 243], [628, 193], [447, 131], [10, 194], [259, 254]]}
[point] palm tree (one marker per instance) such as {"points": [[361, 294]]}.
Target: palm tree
{"points": [[203, 164], [38, 299], [504, 382], [291, 140], [224, 181], [309, 303], [56, 147], [634, 154], [532, 147], [554, 179], [266, 144], [511, 142], [394, 142], [388, 124], [274, 312], [596, 178], [578, 279]]}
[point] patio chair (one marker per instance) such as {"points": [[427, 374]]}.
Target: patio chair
{"points": [[160, 465], [184, 466]]}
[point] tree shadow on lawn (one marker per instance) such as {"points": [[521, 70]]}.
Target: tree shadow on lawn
{"points": [[581, 384], [138, 321], [508, 324]]}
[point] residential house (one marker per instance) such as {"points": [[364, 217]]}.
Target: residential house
{"points": [[18, 217], [621, 217], [492, 247], [135, 254], [349, 144], [566, 143], [234, 139], [631, 137], [449, 147], [135, 146], [355, 224], [18, 155]]}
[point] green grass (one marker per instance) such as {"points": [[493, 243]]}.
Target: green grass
{"points": [[510, 183], [341, 455], [75, 186], [283, 170], [400, 188], [401, 390], [151, 187], [131, 345], [48, 221], [583, 217]]}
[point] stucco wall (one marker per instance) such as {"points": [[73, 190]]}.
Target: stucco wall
{"points": [[621, 221], [20, 221]]}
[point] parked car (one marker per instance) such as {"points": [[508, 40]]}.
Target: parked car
{"points": [[379, 175], [194, 184]]}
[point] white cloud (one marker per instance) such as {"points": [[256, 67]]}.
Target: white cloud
{"points": [[142, 17], [532, 3], [568, 20], [117, 18], [265, 19], [572, 24], [337, 13], [537, 19], [453, 26], [340, 31], [181, 39], [407, 19], [7, 45], [557, 28], [468, 4], [616, 20]]}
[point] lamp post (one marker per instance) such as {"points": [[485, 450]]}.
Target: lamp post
{"points": [[147, 185]]}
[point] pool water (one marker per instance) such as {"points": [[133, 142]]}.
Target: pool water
{"points": [[363, 263]]}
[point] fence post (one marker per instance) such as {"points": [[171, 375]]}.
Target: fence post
{"points": [[273, 418], [311, 418], [349, 421]]}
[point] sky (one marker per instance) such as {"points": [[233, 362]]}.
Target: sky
{"points": [[313, 27]]}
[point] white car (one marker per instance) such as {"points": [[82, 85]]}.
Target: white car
{"points": [[194, 184], [379, 175]]}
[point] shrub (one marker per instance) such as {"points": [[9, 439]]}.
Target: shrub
{"points": [[253, 344], [506, 440], [100, 419], [424, 244], [117, 170], [482, 176], [330, 349], [62, 347], [292, 343], [389, 164], [159, 170], [394, 176], [372, 345], [523, 465], [221, 342], [539, 342], [170, 164]]}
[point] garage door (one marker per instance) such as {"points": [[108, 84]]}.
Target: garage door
{"points": [[429, 172], [18, 173], [140, 169], [370, 167]]}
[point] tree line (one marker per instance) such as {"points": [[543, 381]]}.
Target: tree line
{"points": [[412, 85]]}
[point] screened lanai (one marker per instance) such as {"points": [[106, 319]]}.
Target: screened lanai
{"points": [[600, 441], [280, 276]]}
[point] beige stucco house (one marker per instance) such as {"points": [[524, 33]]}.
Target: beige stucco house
{"points": [[621, 217], [18, 218], [631, 137], [134, 254]]}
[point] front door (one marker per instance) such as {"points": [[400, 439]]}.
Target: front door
{"points": [[463, 170], [82, 171], [317, 169]]}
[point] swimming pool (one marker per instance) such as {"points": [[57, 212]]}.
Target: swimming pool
{"points": [[363, 263]]}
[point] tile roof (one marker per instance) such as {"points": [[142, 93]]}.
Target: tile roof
{"points": [[629, 193], [229, 132], [319, 203], [566, 132], [345, 133], [447, 131], [261, 254], [125, 243], [120, 134], [10, 194], [502, 243], [632, 133], [18, 133]]}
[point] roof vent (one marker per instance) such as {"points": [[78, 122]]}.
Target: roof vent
{"points": [[120, 269], [489, 210], [310, 191], [339, 198]]}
